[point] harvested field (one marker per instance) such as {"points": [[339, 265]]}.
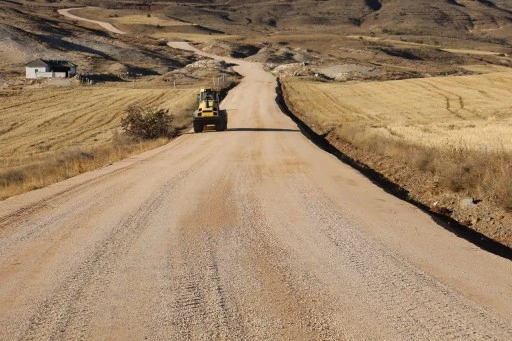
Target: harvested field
{"points": [[42, 126], [126, 18], [255, 232], [445, 141], [470, 111], [40, 121]]}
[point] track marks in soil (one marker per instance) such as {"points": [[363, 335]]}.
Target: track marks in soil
{"points": [[200, 306], [66, 313], [199, 295], [414, 304], [454, 102], [231, 277], [293, 303], [54, 120], [447, 105]]}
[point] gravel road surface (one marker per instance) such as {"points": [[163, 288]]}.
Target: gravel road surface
{"points": [[249, 234]]}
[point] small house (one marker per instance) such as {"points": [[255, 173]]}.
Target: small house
{"points": [[40, 68]]}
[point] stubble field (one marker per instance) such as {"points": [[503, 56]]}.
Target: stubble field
{"points": [[472, 112], [43, 129], [444, 140]]}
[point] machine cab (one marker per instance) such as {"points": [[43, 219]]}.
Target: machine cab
{"points": [[208, 94]]}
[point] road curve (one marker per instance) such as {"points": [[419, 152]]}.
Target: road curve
{"points": [[105, 25], [252, 233]]}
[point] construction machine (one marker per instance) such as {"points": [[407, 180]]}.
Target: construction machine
{"points": [[208, 111]]}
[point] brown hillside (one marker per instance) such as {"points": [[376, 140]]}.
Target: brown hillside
{"points": [[31, 30], [446, 17]]}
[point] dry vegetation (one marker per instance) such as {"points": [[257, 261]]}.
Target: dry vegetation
{"points": [[49, 135], [51, 130], [470, 111], [159, 24], [433, 136]]}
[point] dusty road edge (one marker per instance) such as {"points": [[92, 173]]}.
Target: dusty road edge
{"points": [[482, 241]]}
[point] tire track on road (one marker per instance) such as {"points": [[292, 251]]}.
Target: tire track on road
{"points": [[66, 313], [416, 305]]}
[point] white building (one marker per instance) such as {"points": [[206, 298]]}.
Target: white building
{"points": [[40, 68]]}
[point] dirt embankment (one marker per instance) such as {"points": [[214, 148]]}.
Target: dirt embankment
{"points": [[479, 220]]}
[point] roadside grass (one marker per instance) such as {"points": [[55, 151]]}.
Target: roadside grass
{"points": [[64, 140], [24, 174], [62, 165], [453, 131], [460, 169], [46, 140]]}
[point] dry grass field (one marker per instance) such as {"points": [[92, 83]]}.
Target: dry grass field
{"points": [[445, 140], [51, 134], [126, 18], [473, 112], [52, 130]]}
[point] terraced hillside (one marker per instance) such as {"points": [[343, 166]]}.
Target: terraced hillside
{"points": [[465, 15]]}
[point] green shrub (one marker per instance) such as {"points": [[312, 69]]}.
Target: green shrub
{"points": [[148, 123]]}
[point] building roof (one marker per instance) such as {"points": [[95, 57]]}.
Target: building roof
{"points": [[37, 62], [50, 63]]}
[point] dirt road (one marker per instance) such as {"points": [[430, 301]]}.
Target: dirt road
{"points": [[252, 233], [105, 25]]}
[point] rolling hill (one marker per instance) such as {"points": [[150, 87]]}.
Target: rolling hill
{"points": [[445, 17]]}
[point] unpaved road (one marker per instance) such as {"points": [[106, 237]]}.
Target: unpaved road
{"points": [[105, 25], [252, 233]]}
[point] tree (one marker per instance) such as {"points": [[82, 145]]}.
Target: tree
{"points": [[148, 123]]}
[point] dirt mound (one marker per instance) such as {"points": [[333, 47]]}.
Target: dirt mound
{"points": [[278, 54], [202, 70], [269, 54], [346, 72]]}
